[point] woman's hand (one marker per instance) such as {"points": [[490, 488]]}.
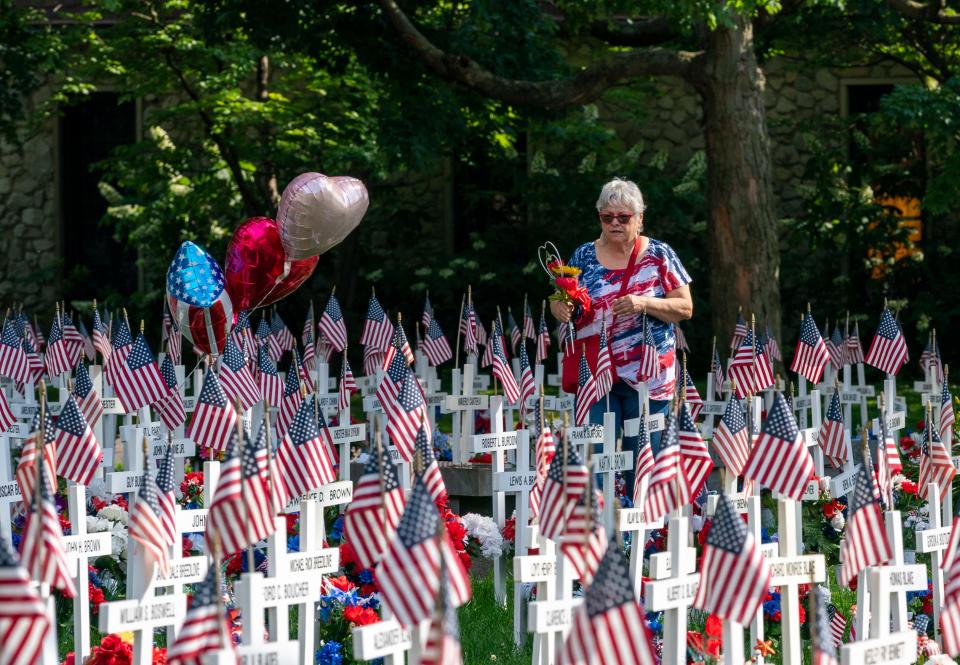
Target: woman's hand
{"points": [[629, 304], [562, 311]]}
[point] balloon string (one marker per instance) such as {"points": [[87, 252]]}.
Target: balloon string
{"points": [[276, 283]]}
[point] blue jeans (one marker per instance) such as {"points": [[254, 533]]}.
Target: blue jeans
{"points": [[625, 404]]}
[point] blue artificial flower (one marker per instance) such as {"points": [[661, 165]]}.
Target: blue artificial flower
{"points": [[336, 531], [293, 544], [331, 653], [366, 576], [625, 501], [15, 539]]}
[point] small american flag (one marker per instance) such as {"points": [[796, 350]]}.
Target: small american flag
{"points": [[770, 344], [610, 627], [604, 365], [302, 457], [78, 452], [692, 397], [291, 401], [669, 488], [431, 469], [271, 387], [866, 541], [529, 332], [480, 331], [26, 471], [931, 358], [6, 414], [146, 522], [649, 356], [435, 345], [731, 439], [372, 360], [171, 408], [811, 355], [936, 465], [501, 368], [309, 360], [242, 333], [87, 398], [644, 464], [822, 637], [947, 417], [834, 345], [566, 481], [35, 366], [838, 624], [584, 539], [831, 434], [398, 345], [740, 331], [265, 338], [565, 335], [175, 345], [348, 385], [23, 617], [280, 332], [236, 378], [681, 338], [72, 338], [38, 339], [377, 329], [734, 573], [751, 369], [543, 341], [166, 496], [241, 512], [513, 330], [468, 328], [528, 384], [13, 360], [443, 636], [42, 549], [779, 458], [852, 345], [299, 364], [487, 358], [696, 458], [333, 326], [101, 340], [138, 382], [888, 351], [717, 368], [373, 514], [58, 353], [88, 351], [544, 451], [205, 627], [214, 418], [587, 392], [405, 413], [306, 335], [427, 315], [409, 573]]}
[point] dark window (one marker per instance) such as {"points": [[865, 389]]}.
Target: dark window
{"points": [[95, 264], [866, 98]]}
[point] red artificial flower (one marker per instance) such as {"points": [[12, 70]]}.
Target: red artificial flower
{"points": [[159, 656], [831, 508], [853, 583], [121, 500], [909, 487], [713, 648], [695, 640], [509, 529], [368, 589], [64, 523], [235, 564], [702, 534], [457, 531], [347, 555], [361, 616], [96, 597], [776, 616], [928, 606], [112, 651], [465, 559], [714, 627], [341, 583], [69, 659], [482, 458], [293, 523], [803, 615], [567, 284], [97, 504], [186, 546]]}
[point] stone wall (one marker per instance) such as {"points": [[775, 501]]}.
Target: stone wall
{"points": [[29, 228], [794, 98]]}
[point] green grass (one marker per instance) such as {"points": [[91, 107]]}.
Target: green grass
{"points": [[486, 629]]}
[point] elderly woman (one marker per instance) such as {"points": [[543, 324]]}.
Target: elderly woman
{"points": [[658, 285]]}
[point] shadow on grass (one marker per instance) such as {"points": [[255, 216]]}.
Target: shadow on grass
{"points": [[486, 629]]}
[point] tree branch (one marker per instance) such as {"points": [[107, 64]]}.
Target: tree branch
{"points": [[587, 85], [642, 31], [931, 12]]}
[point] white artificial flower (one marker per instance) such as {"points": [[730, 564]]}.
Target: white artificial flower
{"points": [[825, 485], [838, 522], [115, 513], [941, 659], [487, 533]]}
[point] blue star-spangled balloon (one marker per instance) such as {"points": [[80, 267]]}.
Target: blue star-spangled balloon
{"points": [[194, 276]]}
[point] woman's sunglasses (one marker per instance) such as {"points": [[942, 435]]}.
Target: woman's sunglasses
{"points": [[608, 218]]}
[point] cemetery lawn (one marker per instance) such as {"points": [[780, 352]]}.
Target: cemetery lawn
{"points": [[486, 629]]}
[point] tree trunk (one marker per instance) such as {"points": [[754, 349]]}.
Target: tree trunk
{"points": [[744, 244]]}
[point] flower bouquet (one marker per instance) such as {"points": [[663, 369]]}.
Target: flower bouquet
{"points": [[566, 279]]}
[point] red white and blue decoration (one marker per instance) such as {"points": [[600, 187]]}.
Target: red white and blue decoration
{"points": [[198, 299]]}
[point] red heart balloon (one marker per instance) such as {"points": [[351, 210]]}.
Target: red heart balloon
{"points": [[256, 267]]}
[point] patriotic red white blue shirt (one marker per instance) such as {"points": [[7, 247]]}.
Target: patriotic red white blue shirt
{"points": [[658, 271]]}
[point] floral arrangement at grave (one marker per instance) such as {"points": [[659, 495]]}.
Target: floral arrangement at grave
{"points": [[566, 279]]}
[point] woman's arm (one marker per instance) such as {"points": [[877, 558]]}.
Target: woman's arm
{"points": [[673, 307]]}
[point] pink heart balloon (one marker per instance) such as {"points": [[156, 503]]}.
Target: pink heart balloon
{"points": [[257, 270], [317, 212]]}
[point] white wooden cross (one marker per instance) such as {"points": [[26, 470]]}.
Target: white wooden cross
{"points": [[789, 571], [608, 463], [385, 639], [326, 389], [495, 443], [633, 520], [255, 593], [317, 561], [255, 654], [9, 487], [891, 582], [462, 402], [141, 616], [894, 649], [934, 541], [673, 593], [549, 617], [80, 546]]}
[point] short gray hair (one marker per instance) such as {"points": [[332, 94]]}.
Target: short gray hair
{"points": [[622, 192]]}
